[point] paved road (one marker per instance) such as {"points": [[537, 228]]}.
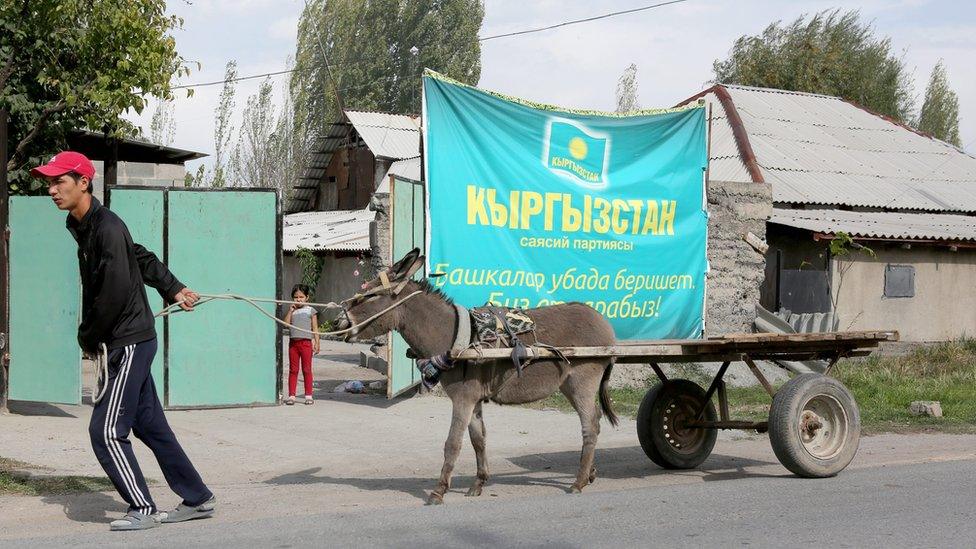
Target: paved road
{"points": [[921, 505]]}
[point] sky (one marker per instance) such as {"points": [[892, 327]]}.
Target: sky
{"points": [[576, 66]]}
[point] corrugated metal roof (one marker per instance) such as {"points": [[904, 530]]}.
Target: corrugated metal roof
{"points": [[387, 135], [340, 230], [725, 164], [895, 225], [817, 149], [408, 168]]}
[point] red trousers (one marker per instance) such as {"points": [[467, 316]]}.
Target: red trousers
{"points": [[299, 350]]}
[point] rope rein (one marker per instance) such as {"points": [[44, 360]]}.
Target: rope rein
{"points": [[101, 359], [253, 301]]}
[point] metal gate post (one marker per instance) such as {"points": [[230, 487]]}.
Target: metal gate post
{"points": [[4, 267]]}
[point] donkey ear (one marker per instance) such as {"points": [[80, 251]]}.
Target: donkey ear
{"points": [[401, 267]]}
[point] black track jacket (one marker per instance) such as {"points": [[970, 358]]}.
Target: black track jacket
{"points": [[115, 310]]}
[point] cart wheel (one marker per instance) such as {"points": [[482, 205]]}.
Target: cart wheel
{"points": [[814, 426], [660, 425]]}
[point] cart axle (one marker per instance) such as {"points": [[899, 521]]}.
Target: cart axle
{"points": [[759, 426]]}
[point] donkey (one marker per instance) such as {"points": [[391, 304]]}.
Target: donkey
{"points": [[428, 321]]}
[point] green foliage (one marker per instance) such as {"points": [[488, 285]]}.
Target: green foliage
{"points": [[68, 64], [842, 244], [368, 48], [940, 110], [196, 180], [311, 267], [223, 130], [885, 386], [162, 128], [255, 159], [829, 53]]}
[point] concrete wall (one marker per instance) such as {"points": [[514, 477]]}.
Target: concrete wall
{"points": [[336, 283], [736, 269], [944, 306], [379, 232], [141, 174]]}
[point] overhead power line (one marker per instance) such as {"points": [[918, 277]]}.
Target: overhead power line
{"points": [[480, 39], [238, 79], [578, 21]]}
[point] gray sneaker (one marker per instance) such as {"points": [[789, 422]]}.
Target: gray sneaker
{"points": [[134, 520], [185, 512]]}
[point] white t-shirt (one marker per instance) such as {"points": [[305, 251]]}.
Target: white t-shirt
{"points": [[302, 317]]}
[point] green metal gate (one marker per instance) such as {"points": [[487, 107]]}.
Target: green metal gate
{"points": [[226, 353], [143, 212], [45, 300], [407, 228], [215, 241]]}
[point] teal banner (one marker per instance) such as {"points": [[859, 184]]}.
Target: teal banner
{"points": [[531, 205]]}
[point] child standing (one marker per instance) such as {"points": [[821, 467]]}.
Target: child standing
{"points": [[302, 343]]}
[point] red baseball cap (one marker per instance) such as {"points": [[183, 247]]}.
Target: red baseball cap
{"points": [[64, 162]]}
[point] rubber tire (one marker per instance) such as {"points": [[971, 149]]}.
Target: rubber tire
{"points": [[652, 437], [784, 431]]}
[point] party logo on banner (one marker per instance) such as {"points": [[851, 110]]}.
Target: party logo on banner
{"points": [[577, 153]]}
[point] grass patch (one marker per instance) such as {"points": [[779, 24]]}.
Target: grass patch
{"points": [[883, 388], [15, 481]]}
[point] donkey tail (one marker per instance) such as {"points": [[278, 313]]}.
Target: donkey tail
{"points": [[605, 403]]}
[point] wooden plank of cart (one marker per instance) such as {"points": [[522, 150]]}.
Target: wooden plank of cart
{"points": [[813, 424]]}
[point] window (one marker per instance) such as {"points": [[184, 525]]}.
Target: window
{"points": [[899, 281]]}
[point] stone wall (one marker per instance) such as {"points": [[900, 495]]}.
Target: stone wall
{"points": [[737, 270], [379, 232]]}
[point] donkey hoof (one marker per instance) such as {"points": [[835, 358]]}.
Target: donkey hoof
{"points": [[473, 492], [575, 490], [592, 475], [435, 499]]}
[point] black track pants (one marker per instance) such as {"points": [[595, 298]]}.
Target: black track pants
{"points": [[130, 404]]}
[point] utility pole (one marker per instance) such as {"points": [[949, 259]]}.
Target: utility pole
{"points": [[4, 267]]}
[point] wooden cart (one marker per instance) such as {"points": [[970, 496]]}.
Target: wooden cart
{"points": [[813, 424]]}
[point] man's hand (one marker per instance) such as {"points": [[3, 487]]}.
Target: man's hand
{"points": [[186, 298], [316, 348]]}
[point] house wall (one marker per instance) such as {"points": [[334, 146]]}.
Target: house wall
{"points": [[736, 269], [944, 306], [349, 180], [336, 175], [355, 191], [336, 283]]}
